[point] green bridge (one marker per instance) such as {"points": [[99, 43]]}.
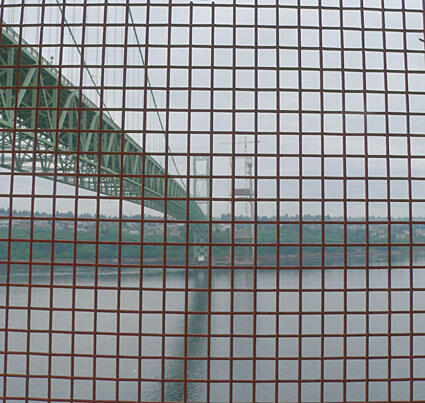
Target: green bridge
{"points": [[50, 128]]}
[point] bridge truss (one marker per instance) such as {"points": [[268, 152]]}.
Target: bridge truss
{"points": [[48, 126]]}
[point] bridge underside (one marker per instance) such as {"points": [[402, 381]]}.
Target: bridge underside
{"points": [[49, 128]]}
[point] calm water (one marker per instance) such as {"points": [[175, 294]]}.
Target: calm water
{"points": [[290, 324]]}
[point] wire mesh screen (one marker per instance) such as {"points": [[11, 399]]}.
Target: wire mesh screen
{"points": [[212, 202]]}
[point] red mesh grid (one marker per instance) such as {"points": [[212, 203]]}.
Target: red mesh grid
{"points": [[212, 202]]}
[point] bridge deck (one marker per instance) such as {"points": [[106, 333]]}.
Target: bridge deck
{"points": [[36, 138]]}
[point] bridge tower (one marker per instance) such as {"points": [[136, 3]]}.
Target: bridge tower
{"points": [[201, 190]]}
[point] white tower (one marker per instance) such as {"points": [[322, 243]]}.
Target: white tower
{"points": [[245, 190]]}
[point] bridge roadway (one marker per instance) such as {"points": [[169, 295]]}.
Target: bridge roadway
{"points": [[45, 120]]}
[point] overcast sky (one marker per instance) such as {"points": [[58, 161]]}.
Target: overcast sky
{"points": [[358, 113]]}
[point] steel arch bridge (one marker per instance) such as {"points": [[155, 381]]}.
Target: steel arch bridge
{"points": [[45, 122]]}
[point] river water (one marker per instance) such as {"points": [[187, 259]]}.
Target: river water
{"points": [[305, 334]]}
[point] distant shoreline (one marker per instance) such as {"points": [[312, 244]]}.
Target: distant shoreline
{"points": [[218, 262]]}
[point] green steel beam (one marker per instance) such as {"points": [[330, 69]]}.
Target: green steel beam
{"points": [[85, 133]]}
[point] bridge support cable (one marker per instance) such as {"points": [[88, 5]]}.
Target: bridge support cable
{"points": [[90, 117], [78, 47], [152, 94]]}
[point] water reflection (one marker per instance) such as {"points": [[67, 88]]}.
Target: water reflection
{"points": [[310, 325]]}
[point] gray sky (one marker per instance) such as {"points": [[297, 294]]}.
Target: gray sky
{"points": [[357, 113]]}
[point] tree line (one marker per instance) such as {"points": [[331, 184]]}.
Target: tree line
{"points": [[107, 239]]}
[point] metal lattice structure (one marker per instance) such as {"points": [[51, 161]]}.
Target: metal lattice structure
{"points": [[40, 104], [212, 201]]}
